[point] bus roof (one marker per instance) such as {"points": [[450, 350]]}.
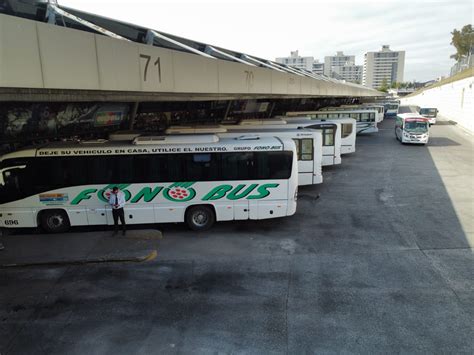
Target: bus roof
{"points": [[276, 132], [61, 149], [266, 121], [311, 124], [412, 117], [195, 129], [302, 113], [306, 119]]}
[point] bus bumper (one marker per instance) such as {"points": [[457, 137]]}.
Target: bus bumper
{"points": [[415, 140]]}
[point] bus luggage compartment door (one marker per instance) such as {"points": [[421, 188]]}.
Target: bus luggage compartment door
{"points": [[241, 209], [98, 215], [139, 213], [272, 208]]}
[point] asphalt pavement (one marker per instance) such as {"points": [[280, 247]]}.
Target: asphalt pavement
{"points": [[377, 259]]}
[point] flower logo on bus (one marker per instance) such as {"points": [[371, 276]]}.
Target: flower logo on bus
{"points": [[179, 192]]}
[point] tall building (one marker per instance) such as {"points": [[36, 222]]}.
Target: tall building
{"points": [[352, 73], [295, 60], [318, 68], [337, 60], [341, 66], [384, 65]]}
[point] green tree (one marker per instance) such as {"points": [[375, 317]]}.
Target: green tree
{"points": [[463, 41], [384, 87]]}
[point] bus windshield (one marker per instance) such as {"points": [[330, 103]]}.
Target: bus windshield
{"points": [[416, 127], [13, 179], [427, 111]]}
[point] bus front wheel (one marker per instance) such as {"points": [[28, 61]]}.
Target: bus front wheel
{"points": [[54, 221], [200, 218]]}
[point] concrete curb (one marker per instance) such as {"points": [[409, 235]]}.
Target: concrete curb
{"points": [[136, 259]]}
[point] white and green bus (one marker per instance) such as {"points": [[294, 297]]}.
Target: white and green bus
{"points": [[366, 119], [196, 179]]}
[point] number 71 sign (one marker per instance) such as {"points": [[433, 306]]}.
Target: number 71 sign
{"points": [[157, 64]]}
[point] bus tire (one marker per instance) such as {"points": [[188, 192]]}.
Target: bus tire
{"points": [[54, 221], [200, 218]]}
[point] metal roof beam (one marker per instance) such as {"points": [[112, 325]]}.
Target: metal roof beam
{"points": [[151, 34], [53, 10], [211, 50], [255, 60], [284, 68]]}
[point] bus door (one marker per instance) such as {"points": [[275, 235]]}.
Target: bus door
{"points": [[329, 149], [305, 153], [399, 128]]}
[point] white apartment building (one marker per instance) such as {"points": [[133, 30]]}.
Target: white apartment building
{"points": [[384, 65], [338, 60], [352, 73], [295, 60], [318, 68], [341, 66]]}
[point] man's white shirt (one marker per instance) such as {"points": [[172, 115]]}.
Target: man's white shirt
{"points": [[117, 199]]}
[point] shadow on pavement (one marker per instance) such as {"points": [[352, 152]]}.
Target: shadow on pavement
{"points": [[442, 142], [380, 262]]}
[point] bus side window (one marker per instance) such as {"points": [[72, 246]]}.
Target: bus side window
{"points": [[145, 168], [202, 167], [273, 165], [346, 130], [306, 149], [328, 136], [172, 167], [237, 166], [100, 169], [121, 169], [49, 174], [75, 169]]}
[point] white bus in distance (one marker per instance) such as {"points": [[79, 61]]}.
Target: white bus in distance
{"points": [[379, 108], [391, 109], [348, 130], [430, 113], [412, 128], [366, 119], [193, 179], [309, 147], [330, 132]]}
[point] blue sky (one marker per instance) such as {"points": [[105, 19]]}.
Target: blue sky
{"points": [[271, 29]]}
